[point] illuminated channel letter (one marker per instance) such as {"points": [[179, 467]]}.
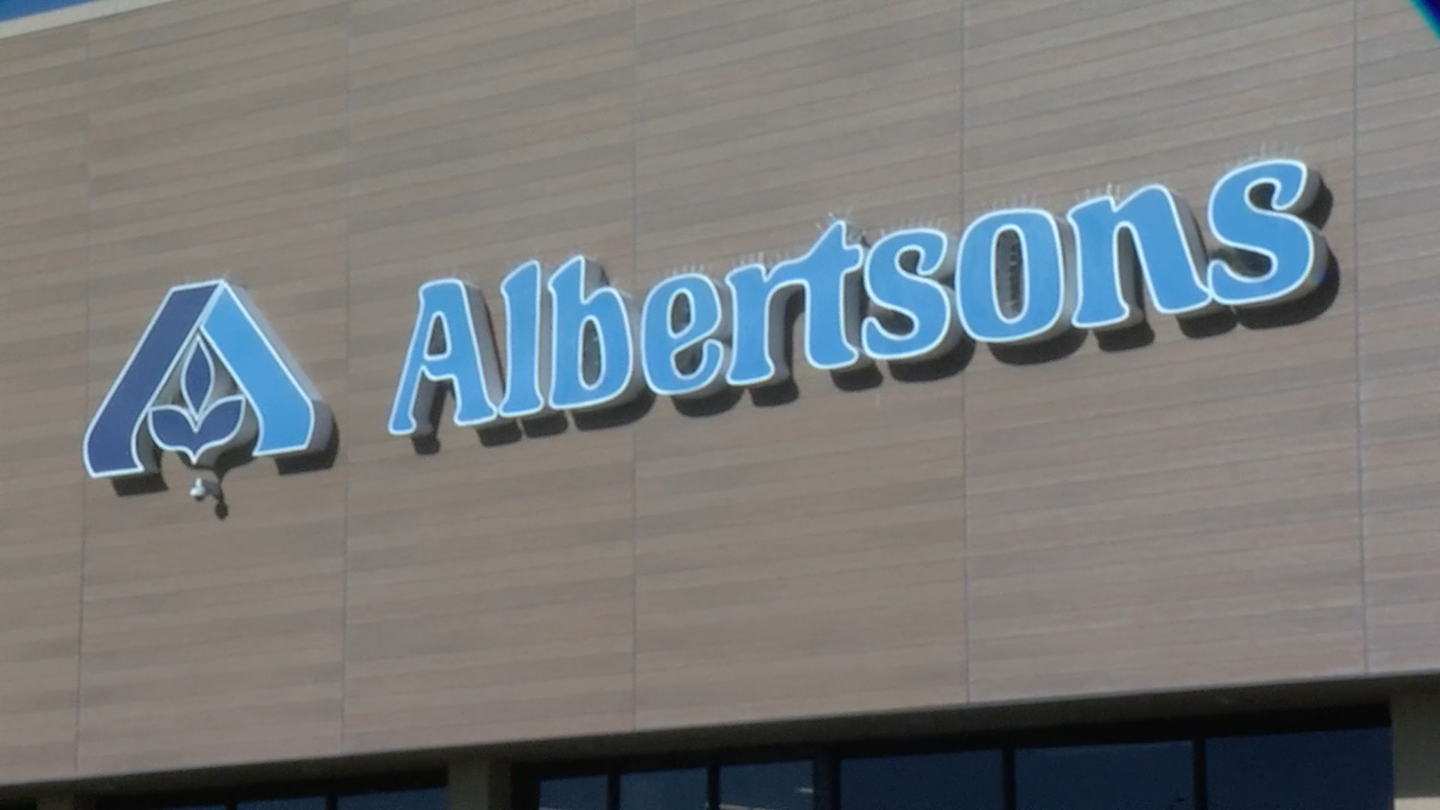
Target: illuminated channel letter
{"points": [[903, 275], [683, 329], [451, 344], [1012, 280], [1155, 228], [1267, 225], [527, 342], [594, 349], [829, 275]]}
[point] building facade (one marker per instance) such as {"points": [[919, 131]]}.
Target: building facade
{"points": [[911, 450]]}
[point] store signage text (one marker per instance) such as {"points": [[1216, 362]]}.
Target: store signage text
{"points": [[209, 375], [1017, 275]]}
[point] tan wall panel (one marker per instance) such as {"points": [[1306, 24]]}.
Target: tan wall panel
{"points": [[210, 641], [800, 559], [42, 398], [1183, 512], [489, 584], [1398, 189]]}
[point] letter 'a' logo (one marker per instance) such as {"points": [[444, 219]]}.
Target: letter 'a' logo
{"points": [[208, 375]]}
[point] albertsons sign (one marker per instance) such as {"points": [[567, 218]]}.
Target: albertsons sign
{"points": [[210, 376], [1016, 275]]}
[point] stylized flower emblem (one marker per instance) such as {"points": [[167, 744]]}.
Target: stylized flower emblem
{"points": [[208, 418]]}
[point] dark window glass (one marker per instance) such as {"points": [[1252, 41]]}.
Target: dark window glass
{"points": [[970, 781], [664, 790], [1329, 770], [1146, 776], [774, 786], [576, 793], [427, 799], [305, 803]]}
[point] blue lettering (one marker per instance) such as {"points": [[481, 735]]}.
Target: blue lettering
{"points": [[527, 336], [451, 344], [1153, 226], [901, 275], [1022, 250], [830, 278], [594, 350], [1294, 252], [1021, 275], [683, 314]]}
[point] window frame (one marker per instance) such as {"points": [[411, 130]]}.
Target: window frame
{"points": [[826, 758]]}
